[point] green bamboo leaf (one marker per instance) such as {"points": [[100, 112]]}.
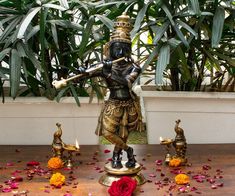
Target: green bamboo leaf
{"points": [[184, 65], [187, 27], [34, 30], [207, 14], [55, 35], [226, 58], [194, 4], [181, 35], [66, 24], [61, 93], [25, 23], [2, 75], [163, 61], [218, 25], [64, 3], [75, 95], [15, 68], [139, 19], [54, 6], [107, 22], [160, 32], [7, 20], [86, 34], [212, 59], [10, 28], [32, 57], [168, 13], [5, 10], [3, 71], [174, 42], [151, 57], [82, 4], [102, 4], [20, 50], [4, 52]]}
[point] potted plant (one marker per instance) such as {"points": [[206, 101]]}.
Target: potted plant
{"points": [[190, 47], [41, 41]]}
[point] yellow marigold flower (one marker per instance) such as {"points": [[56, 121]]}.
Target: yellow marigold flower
{"points": [[57, 179], [182, 179], [175, 162], [55, 163]]}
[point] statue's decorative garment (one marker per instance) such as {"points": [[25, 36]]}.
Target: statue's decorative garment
{"points": [[121, 112]]}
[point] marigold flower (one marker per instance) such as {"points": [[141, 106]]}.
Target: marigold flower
{"points": [[175, 162], [55, 163], [57, 179], [182, 179]]}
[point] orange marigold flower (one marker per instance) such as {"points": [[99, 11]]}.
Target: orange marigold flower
{"points": [[175, 162], [57, 179], [55, 163], [182, 179]]}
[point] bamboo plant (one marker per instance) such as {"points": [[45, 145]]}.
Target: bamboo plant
{"points": [[187, 41]]}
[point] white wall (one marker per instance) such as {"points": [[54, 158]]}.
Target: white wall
{"points": [[33, 121], [205, 117]]}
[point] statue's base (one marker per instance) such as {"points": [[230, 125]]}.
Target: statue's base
{"points": [[113, 174]]}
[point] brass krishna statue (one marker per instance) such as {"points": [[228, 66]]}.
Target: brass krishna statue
{"points": [[121, 112]]}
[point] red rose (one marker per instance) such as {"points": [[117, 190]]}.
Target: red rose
{"points": [[33, 163], [125, 186]]}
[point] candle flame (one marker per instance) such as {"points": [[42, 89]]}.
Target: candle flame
{"points": [[76, 144], [161, 139]]}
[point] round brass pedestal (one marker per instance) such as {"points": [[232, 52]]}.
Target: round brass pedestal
{"points": [[113, 174]]}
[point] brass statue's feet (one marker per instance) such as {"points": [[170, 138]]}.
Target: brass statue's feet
{"points": [[116, 160], [131, 158]]}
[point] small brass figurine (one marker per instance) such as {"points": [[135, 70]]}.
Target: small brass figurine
{"points": [[58, 147], [179, 143], [57, 144]]}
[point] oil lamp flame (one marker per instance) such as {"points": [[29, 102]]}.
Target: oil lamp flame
{"points": [[76, 144], [161, 139]]}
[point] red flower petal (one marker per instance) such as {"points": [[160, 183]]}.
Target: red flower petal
{"points": [[33, 163], [206, 167], [17, 179], [152, 175], [159, 162], [6, 190], [107, 151]]}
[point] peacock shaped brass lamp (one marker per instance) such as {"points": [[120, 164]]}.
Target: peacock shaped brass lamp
{"points": [[179, 144], [59, 147]]}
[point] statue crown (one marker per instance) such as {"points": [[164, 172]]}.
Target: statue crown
{"points": [[122, 28]]}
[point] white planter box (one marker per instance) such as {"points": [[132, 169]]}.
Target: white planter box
{"points": [[32, 121], [205, 117]]}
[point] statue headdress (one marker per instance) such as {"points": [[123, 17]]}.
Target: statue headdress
{"points": [[121, 32]]}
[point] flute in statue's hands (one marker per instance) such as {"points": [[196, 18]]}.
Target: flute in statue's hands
{"points": [[63, 82]]}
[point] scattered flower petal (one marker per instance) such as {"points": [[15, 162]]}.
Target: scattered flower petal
{"points": [[206, 167], [6, 190], [159, 162], [68, 194], [33, 163], [107, 151], [10, 164], [152, 175]]}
